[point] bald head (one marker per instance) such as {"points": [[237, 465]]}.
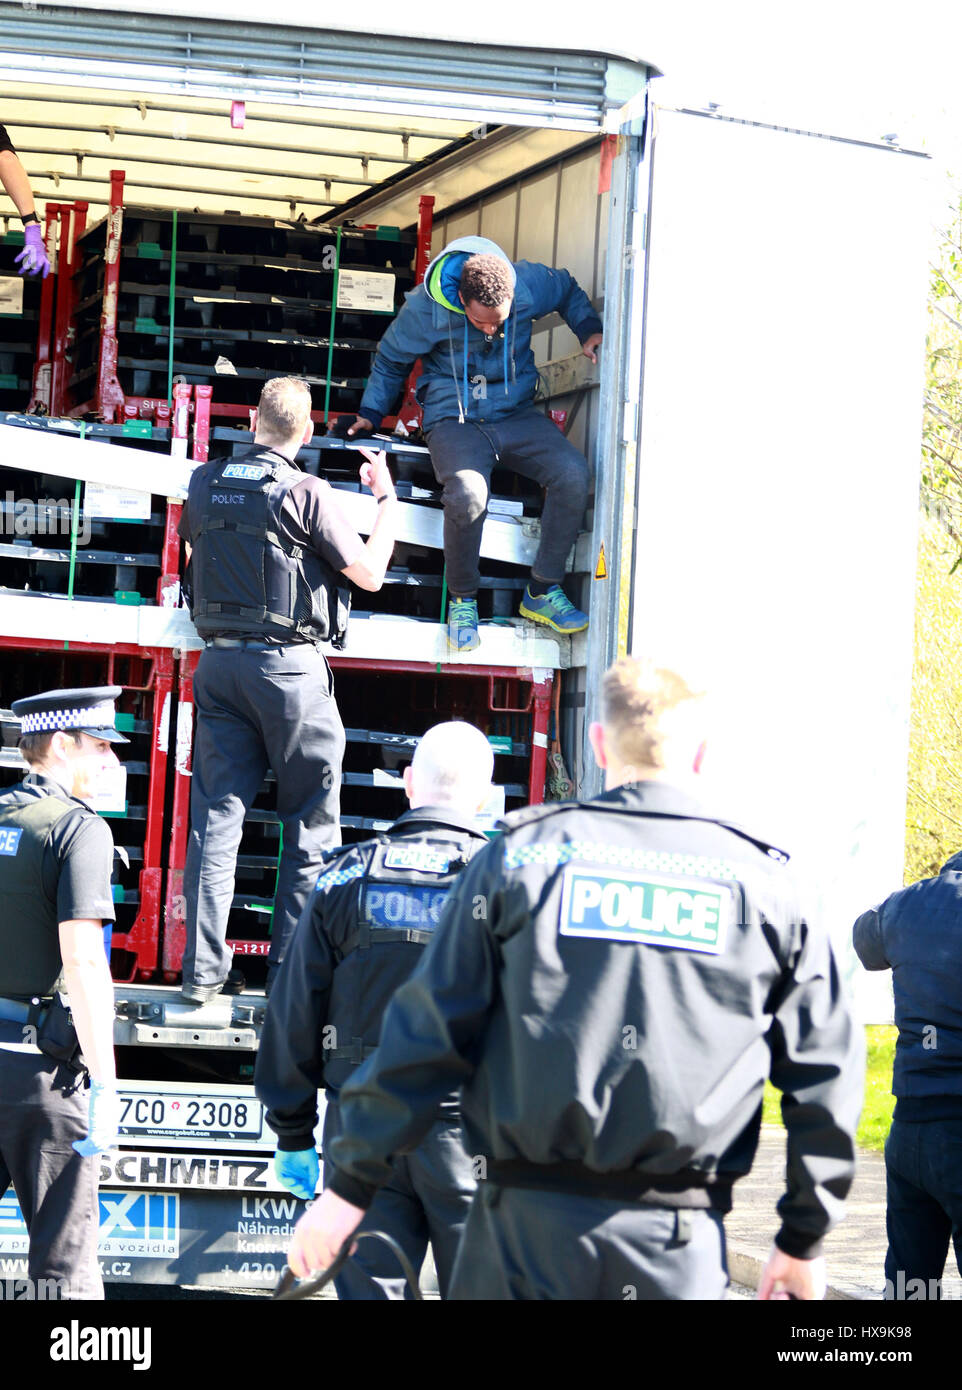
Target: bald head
{"points": [[452, 766]]}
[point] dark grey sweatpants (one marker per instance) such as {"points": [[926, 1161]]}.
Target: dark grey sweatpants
{"points": [[426, 1199], [258, 710], [524, 1244], [463, 456]]}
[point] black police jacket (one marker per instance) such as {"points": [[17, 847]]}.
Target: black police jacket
{"points": [[373, 911], [610, 985], [245, 574], [917, 934]]}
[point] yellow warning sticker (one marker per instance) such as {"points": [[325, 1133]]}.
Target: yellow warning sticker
{"points": [[601, 569]]}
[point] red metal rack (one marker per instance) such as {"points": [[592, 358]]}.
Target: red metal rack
{"points": [[410, 413], [40, 396], [73, 220]]}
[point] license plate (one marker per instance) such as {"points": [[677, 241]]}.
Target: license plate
{"points": [[182, 1115]]}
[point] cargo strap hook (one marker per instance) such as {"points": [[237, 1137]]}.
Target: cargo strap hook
{"points": [[288, 1288]]}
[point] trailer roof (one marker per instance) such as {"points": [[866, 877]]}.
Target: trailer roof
{"points": [[329, 115], [570, 27]]}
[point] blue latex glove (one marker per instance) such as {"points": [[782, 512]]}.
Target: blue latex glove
{"points": [[33, 258], [298, 1171], [103, 1117]]}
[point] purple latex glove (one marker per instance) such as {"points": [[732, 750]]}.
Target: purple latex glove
{"points": [[33, 257]]}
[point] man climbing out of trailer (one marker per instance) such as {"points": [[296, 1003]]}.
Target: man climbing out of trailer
{"points": [[33, 258], [372, 913], [470, 324], [269, 545]]}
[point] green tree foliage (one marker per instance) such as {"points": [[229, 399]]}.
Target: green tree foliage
{"points": [[934, 806]]}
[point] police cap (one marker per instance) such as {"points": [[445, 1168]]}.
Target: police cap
{"points": [[88, 710]]}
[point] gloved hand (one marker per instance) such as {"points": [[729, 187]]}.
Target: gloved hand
{"points": [[351, 426], [33, 257], [103, 1117], [298, 1171]]}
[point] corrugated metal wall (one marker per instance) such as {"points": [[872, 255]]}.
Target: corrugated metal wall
{"points": [[557, 216]]}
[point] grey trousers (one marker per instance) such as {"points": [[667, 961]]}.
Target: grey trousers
{"points": [[427, 1199], [524, 1244], [43, 1109], [463, 456], [258, 710]]}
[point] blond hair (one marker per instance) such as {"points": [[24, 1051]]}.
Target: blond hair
{"points": [[283, 410], [636, 700]]}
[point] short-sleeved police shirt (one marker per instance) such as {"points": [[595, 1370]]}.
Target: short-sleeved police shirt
{"points": [[78, 860]]}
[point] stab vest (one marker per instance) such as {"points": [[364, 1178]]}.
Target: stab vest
{"points": [[246, 576], [395, 908], [30, 960]]}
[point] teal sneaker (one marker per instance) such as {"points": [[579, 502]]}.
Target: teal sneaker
{"points": [[554, 609], [463, 624]]}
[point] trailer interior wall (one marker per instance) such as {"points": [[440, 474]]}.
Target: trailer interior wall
{"points": [[778, 478]]}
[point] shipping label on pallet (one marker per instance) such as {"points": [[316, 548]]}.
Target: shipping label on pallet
{"points": [[106, 503], [11, 295], [367, 289]]}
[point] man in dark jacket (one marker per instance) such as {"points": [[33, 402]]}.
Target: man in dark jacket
{"points": [[611, 984], [372, 913], [470, 324], [917, 934]]}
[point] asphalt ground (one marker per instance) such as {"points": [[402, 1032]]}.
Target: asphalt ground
{"points": [[854, 1250]]}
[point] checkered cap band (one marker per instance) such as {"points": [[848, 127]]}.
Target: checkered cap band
{"points": [[335, 877], [584, 852], [93, 717]]}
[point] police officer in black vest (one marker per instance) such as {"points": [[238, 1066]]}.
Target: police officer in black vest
{"points": [[374, 909], [611, 984], [269, 545], [56, 857]]}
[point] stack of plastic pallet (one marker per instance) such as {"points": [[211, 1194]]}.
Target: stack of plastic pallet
{"points": [[70, 548], [19, 322], [229, 301], [137, 809], [385, 710]]}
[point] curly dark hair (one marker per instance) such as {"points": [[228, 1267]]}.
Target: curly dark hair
{"points": [[486, 279]]}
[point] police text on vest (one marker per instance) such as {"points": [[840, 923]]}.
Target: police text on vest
{"points": [[649, 909]]}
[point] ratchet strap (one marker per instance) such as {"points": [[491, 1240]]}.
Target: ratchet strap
{"points": [[288, 1288]]}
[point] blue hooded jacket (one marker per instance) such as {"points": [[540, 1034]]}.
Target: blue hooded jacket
{"points": [[917, 934], [465, 375]]}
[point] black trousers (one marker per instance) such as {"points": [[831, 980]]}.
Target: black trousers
{"points": [[43, 1109], [523, 1244], [923, 1209], [463, 457], [258, 710], [427, 1199]]}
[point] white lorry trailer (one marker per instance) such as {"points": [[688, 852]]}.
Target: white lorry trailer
{"points": [[753, 427]]}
